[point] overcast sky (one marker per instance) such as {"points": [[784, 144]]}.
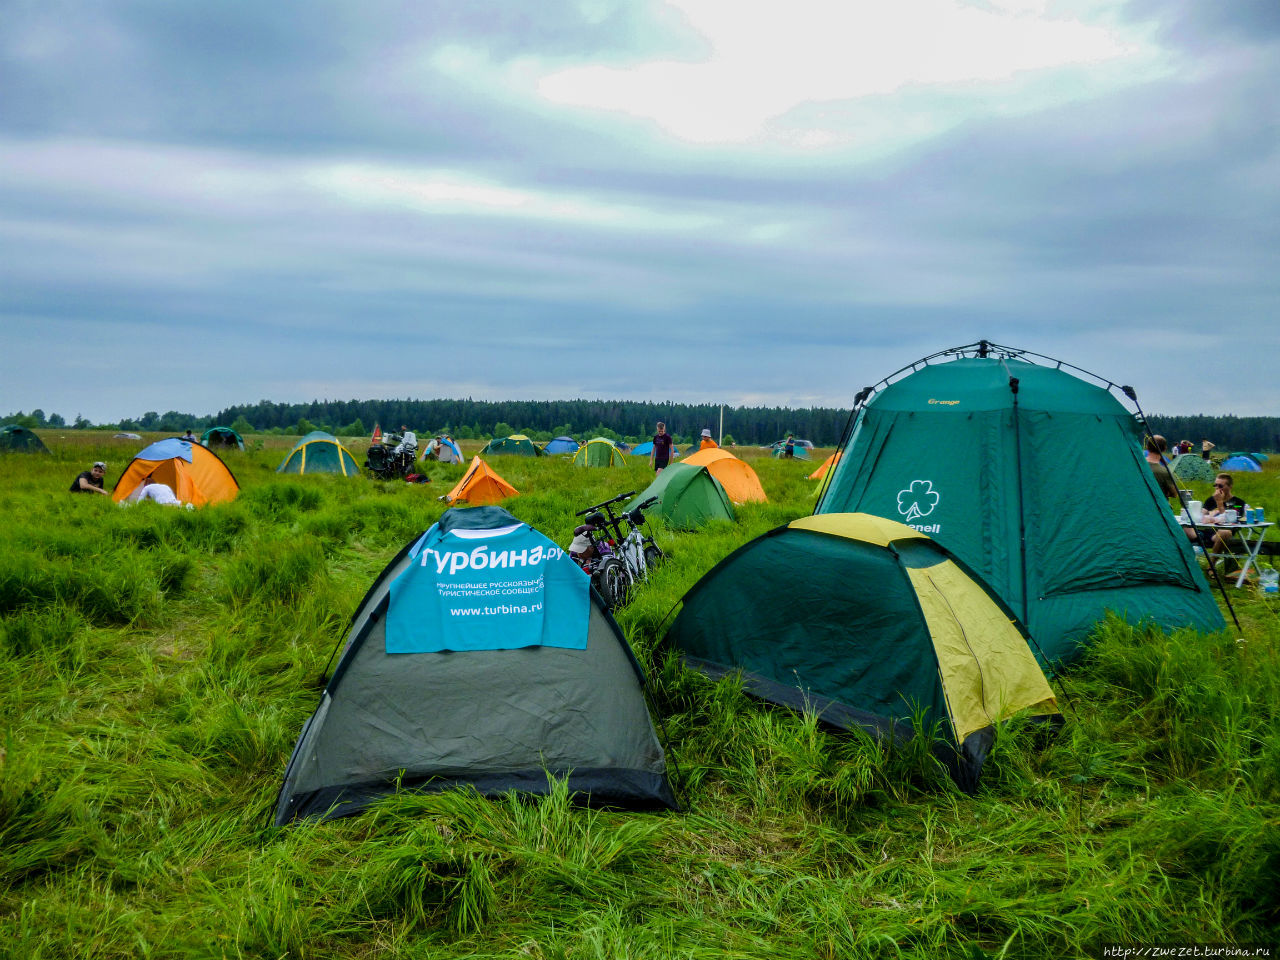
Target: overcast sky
{"points": [[732, 201]]}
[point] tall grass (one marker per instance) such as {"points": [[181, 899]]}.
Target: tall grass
{"points": [[158, 665]]}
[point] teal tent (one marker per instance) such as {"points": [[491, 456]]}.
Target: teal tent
{"points": [[517, 444], [319, 452], [15, 438], [538, 683], [221, 437], [688, 497], [970, 450]]}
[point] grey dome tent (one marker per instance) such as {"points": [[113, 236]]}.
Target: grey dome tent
{"points": [[534, 679]]}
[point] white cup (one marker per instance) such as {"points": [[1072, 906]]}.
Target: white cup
{"points": [[1228, 516], [1197, 511]]}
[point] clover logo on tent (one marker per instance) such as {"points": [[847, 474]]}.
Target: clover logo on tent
{"points": [[918, 500]]}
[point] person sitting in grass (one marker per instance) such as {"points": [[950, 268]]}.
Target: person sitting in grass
{"points": [[90, 481]]}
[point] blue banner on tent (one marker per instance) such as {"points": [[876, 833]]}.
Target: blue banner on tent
{"points": [[499, 589]]}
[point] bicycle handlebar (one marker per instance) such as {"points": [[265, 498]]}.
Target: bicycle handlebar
{"points": [[618, 499]]}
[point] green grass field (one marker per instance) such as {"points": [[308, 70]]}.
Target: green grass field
{"points": [[158, 665]]}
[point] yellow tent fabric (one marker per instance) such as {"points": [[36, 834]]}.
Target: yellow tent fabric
{"points": [[480, 485], [738, 479], [827, 464], [858, 526], [988, 671], [205, 479]]}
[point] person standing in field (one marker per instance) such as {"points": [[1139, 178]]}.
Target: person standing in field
{"points": [[660, 455], [1156, 446], [90, 481], [706, 443]]}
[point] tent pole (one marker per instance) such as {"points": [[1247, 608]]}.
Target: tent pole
{"points": [[720, 439], [1022, 516]]}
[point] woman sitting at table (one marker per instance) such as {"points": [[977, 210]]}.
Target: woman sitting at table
{"points": [[1212, 512]]}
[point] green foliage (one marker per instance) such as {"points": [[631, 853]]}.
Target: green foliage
{"points": [[159, 664]]}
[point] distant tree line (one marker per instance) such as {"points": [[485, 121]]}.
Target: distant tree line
{"points": [[615, 419]]}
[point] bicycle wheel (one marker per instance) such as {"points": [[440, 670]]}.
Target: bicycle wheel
{"points": [[613, 582]]}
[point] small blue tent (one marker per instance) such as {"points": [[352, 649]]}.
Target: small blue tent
{"points": [[1241, 462], [646, 448], [561, 445]]}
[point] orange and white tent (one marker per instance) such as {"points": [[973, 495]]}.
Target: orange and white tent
{"points": [[480, 485], [827, 464], [195, 474], [736, 476]]}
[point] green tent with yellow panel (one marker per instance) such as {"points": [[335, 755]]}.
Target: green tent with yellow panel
{"points": [[872, 625]]}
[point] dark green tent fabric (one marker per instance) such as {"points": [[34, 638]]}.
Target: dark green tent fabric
{"points": [[493, 720], [1192, 468], [688, 497], [221, 437], [952, 451], [518, 444], [15, 438], [319, 452]]}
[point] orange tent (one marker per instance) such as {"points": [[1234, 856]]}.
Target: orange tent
{"points": [[827, 464], [194, 473], [480, 485], [738, 479]]}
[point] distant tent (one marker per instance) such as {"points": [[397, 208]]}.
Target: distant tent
{"points": [[424, 701], [319, 452], [798, 452], [222, 437], [622, 445], [444, 450], [1191, 468], [688, 497], [15, 438], [1241, 462], [599, 452], [985, 474], [1260, 457], [646, 448], [737, 477], [480, 485], [125, 436], [195, 474], [870, 625], [517, 444], [561, 445], [827, 464]]}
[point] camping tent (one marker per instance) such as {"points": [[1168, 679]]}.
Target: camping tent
{"points": [[319, 452], [15, 438], [827, 464], [221, 437], [1241, 462], [737, 477], [517, 444], [646, 448], [599, 452], [688, 497], [1191, 467], [195, 474], [903, 632], [444, 450], [971, 451], [424, 700], [798, 450], [561, 445], [480, 484]]}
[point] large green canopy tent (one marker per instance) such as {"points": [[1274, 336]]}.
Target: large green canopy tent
{"points": [[968, 447], [688, 497], [319, 452], [599, 452], [871, 625], [517, 444], [15, 438], [423, 700]]}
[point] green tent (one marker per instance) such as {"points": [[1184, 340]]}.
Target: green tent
{"points": [[221, 437], [517, 444], [1192, 468], [18, 439], [599, 452], [319, 452], [971, 452], [424, 701], [688, 497], [871, 625]]}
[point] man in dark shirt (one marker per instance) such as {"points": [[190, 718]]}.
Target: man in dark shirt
{"points": [[660, 455], [90, 481]]}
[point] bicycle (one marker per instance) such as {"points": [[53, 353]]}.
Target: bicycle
{"points": [[617, 550]]}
